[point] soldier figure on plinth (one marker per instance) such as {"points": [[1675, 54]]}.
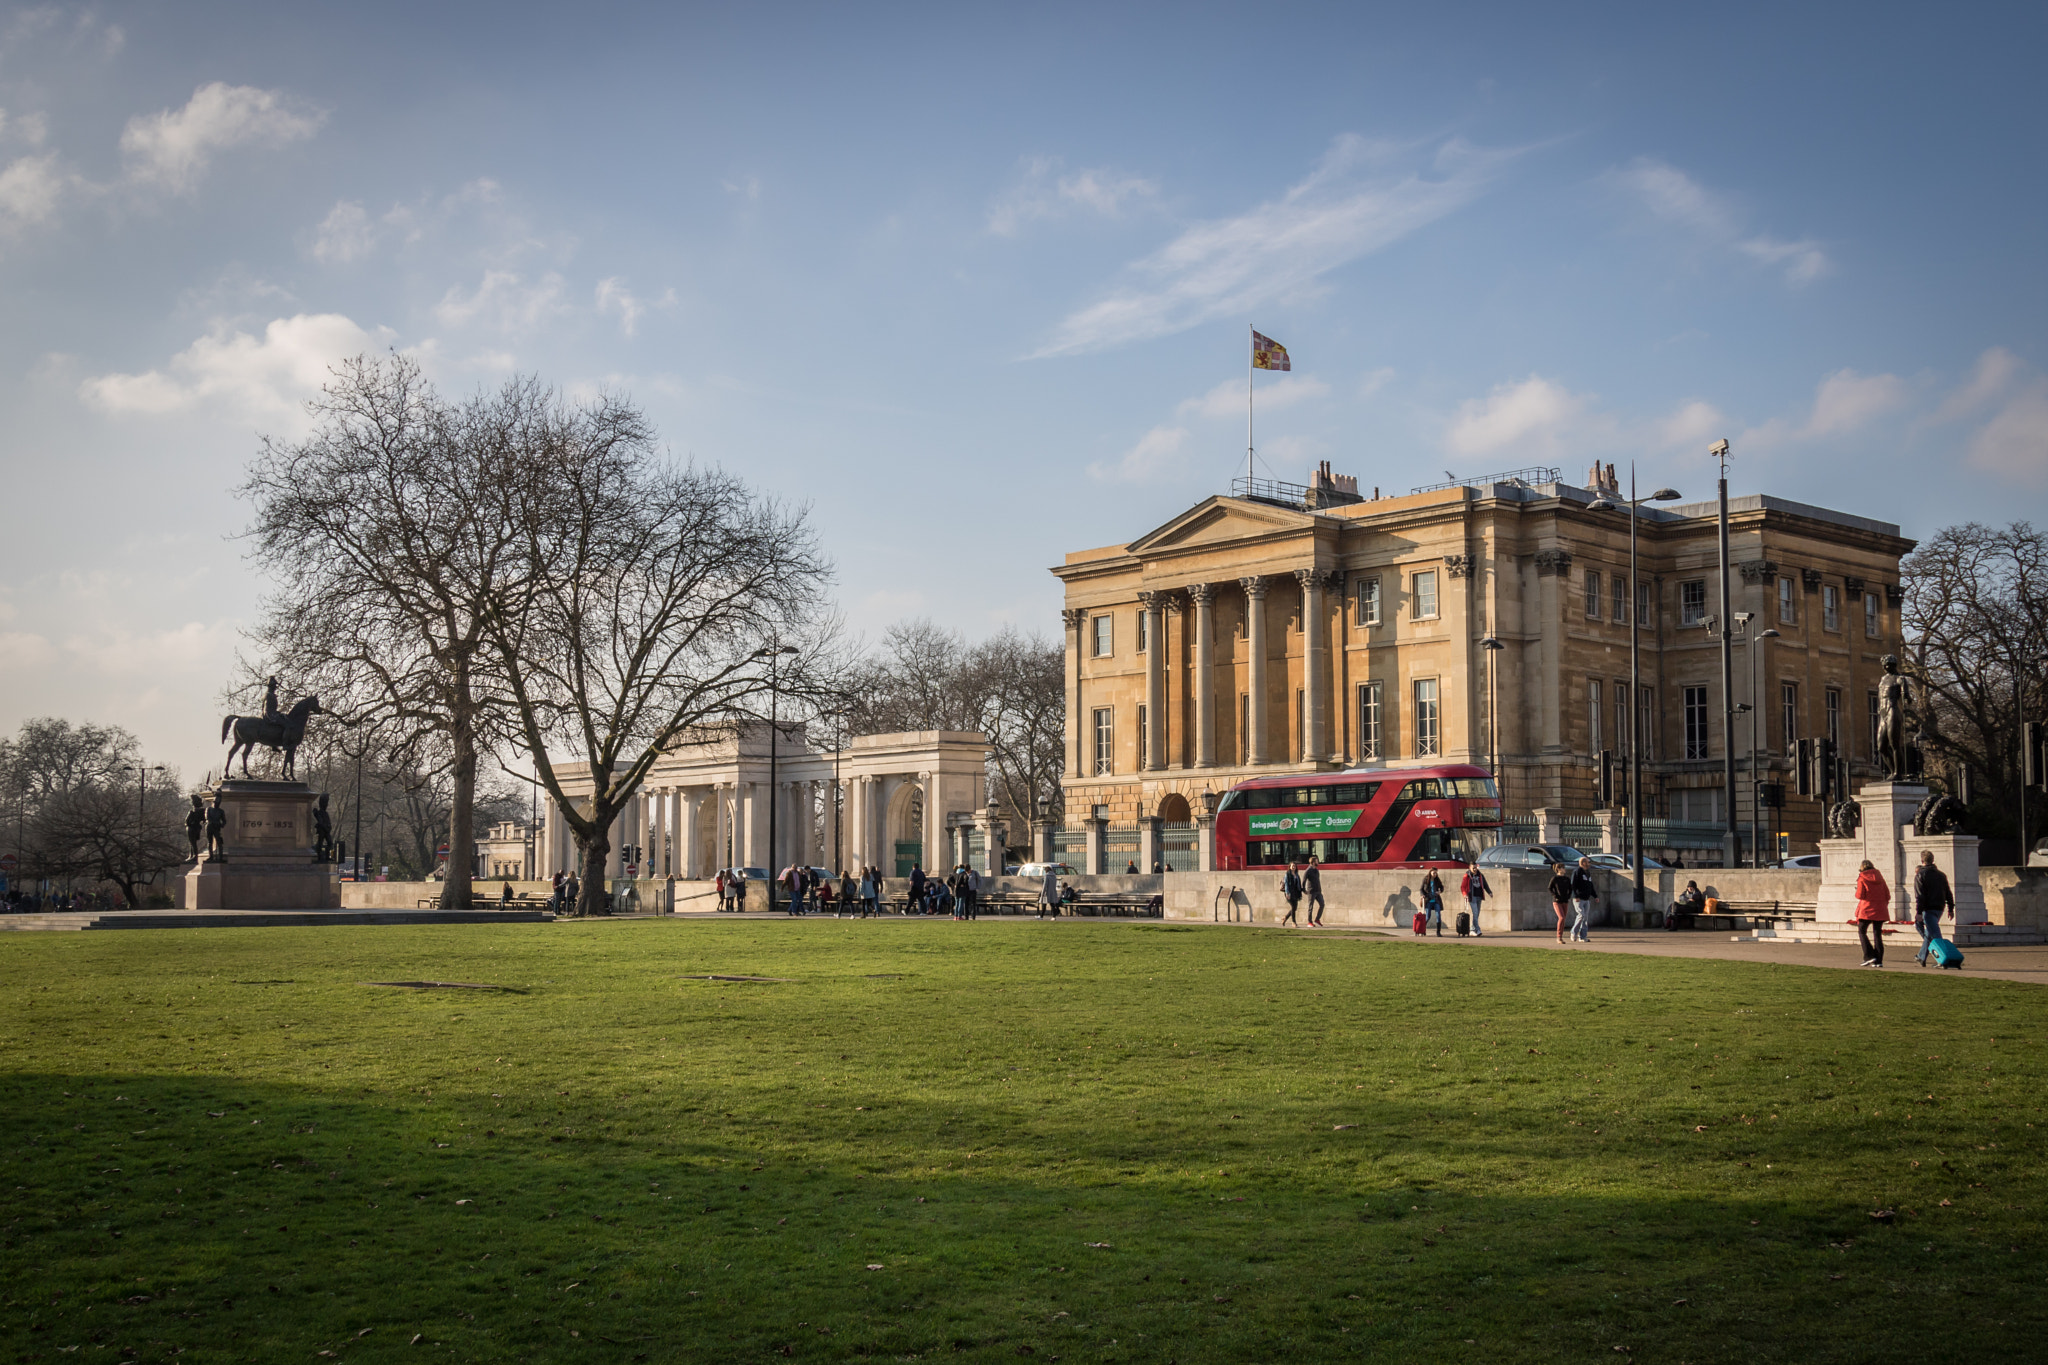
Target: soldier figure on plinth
{"points": [[1894, 715]]}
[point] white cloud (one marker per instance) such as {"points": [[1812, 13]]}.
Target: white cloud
{"points": [[504, 300], [266, 377], [346, 234], [747, 187], [1534, 415], [1227, 399], [1693, 424], [171, 149], [1847, 400], [2015, 441], [1355, 202], [1042, 192], [1156, 452], [1675, 197], [29, 190], [614, 297], [29, 128], [1995, 369]]}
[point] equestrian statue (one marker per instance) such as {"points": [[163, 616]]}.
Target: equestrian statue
{"points": [[274, 729]]}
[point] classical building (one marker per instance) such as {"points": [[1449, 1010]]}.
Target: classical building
{"points": [[506, 852], [884, 801], [1306, 628]]}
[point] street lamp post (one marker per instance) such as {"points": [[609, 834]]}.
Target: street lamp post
{"points": [[1493, 647], [1729, 836], [1635, 674], [773, 654], [142, 801], [1756, 781], [838, 801]]}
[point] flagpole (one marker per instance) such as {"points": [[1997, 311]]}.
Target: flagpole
{"points": [[1249, 360]]}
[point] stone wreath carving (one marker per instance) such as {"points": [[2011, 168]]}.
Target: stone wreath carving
{"points": [[1941, 813], [1843, 818]]}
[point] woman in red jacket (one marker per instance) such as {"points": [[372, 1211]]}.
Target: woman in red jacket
{"points": [[1873, 908]]}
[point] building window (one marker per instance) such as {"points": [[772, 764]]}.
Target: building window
{"points": [[1620, 600], [1427, 743], [1105, 740], [1696, 722], [1834, 713], [1646, 724], [1621, 718], [1643, 603], [1369, 732], [1596, 701], [1831, 608], [1368, 601], [1592, 594], [1425, 595], [1790, 693], [1104, 635], [1144, 737], [1692, 602], [1873, 727], [1144, 630], [1788, 605], [1871, 619]]}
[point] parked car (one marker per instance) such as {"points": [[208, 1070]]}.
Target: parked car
{"points": [[1038, 870], [1803, 860], [1528, 855], [1621, 864]]}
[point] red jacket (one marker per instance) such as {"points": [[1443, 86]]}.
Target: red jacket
{"points": [[1474, 883], [1873, 897]]}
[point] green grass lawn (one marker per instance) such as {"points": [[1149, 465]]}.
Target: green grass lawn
{"points": [[1079, 1142]]}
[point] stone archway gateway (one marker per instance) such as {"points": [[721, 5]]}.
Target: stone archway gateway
{"points": [[1173, 810]]}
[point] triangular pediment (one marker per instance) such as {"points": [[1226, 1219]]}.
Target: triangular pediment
{"points": [[1219, 520]]}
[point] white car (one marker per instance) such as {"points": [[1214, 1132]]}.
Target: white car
{"points": [[1037, 871]]}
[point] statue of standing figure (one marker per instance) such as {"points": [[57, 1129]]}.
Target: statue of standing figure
{"points": [[1894, 720], [216, 829], [323, 832], [195, 825]]}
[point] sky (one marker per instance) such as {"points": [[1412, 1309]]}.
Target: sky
{"points": [[974, 282]]}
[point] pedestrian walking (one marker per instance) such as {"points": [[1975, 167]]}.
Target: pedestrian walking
{"points": [[915, 905], [1584, 892], [572, 893], [972, 890], [1291, 888], [1931, 896], [1433, 900], [739, 894], [1312, 884], [849, 892], [1049, 893], [1560, 895], [555, 893], [1873, 909], [1472, 886], [867, 892]]}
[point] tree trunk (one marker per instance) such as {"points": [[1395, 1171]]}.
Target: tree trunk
{"points": [[455, 884], [594, 899]]}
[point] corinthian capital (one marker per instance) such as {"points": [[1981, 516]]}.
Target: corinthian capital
{"points": [[1254, 586], [1201, 593]]}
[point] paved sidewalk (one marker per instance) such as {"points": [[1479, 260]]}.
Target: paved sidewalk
{"points": [[2028, 962]]}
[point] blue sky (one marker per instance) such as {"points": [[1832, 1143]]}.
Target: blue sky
{"points": [[974, 281]]}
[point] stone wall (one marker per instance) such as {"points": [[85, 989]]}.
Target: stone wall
{"points": [[2016, 896]]}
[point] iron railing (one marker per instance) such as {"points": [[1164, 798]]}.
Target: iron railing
{"points": [[1533, 475]]}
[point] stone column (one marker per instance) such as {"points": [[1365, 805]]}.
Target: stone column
{"points": [[1611, 831], [835, 825], [1205, 842], [721, 826], [934, 818], [750, 825], [991, 842], [689, 803], [1076, 623], [1151, 848], [615, 857], [1098, 845], [1204, 683], [1042, 849], [1549, 825], [1315, 658], [1255, 640], [1154, 606]]}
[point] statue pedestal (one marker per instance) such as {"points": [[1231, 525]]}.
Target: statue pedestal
{"points": [[266, 862], [1887, 823], [1956, 855]]}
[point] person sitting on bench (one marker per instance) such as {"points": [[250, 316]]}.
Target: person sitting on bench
{"points": [[1688, 903]]}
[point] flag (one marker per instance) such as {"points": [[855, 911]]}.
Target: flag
{"points": [[1268, 354]]}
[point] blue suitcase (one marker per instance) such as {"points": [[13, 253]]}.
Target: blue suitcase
{"points": [[1944, 953]]}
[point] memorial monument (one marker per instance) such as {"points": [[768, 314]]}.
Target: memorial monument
{"points": [[263, 836]]}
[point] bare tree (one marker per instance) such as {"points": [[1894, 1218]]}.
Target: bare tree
{"points": [[49, 756], [652, 598], [1976, 627], [1020, 681], [915, 679], [114, 833], [384, 530]]}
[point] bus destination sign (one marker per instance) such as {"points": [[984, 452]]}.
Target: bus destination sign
{"points": [[1292, 825]]}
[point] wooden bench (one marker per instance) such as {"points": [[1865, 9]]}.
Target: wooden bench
{"points": [[1731, 914]]}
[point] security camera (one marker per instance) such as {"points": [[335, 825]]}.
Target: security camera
{"points": [[1718, 448]]}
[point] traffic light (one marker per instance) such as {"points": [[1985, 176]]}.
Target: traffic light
{"points": [[1770, 795], [1607, 777], [1824, 764], [1803, 768], [2030, 751]]}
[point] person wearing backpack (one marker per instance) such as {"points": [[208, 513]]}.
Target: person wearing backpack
{"points": [[1472, 886], [1560, 894], [1290, 888], [1931, 896]]}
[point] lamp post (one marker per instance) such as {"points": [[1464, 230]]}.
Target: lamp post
{"points": [[1729, 837], [142, 800], [1635, 673], [838, 801], [1493, 647], [1756, 782], [773, 654]]}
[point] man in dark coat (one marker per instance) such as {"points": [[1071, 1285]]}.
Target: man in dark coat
{"points": [[1931, 896], [1312, 884], [1291, 888]]}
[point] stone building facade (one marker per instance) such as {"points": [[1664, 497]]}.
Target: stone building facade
{"points": [[1305, 630]]}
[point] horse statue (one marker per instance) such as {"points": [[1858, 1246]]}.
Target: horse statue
{"points": [[284, 733]]}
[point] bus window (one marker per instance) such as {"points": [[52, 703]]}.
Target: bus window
{"points": [[1422, 789], [1475, 788]]}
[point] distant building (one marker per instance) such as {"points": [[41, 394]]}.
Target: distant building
{"points": [[1302, 628], [507, 852]]}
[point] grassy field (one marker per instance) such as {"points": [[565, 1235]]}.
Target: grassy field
{"points": [[1078, 1142]]}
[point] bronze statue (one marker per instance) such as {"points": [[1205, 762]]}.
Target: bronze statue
{"points": [[216, 828], [323, 832], [1894, 710], [1843, 817], [1941, 813], [285, 734], [195, 825], [271, 712]]}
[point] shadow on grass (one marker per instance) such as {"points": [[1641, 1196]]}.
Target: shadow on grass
{"points": [[152, 1214]]}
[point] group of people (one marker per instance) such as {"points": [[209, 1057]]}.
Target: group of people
{"points": [[1573, 888], [1932, 898], [1305, 882]]}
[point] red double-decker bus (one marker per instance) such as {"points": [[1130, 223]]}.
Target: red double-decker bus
{"points": [[1377, 817]]}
